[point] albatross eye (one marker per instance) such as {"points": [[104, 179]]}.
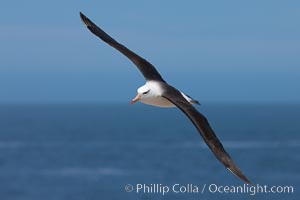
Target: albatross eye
{"points": [[146, 92]]}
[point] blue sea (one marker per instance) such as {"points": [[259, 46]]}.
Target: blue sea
{"points": [[118, 151]]}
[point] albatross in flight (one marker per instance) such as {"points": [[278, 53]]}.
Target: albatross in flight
{"points": [[157, 92]]}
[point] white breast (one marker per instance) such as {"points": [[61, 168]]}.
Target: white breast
{"points": [[158, 101]]}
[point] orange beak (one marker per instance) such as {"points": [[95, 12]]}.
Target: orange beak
{"points": [[137, 98]]}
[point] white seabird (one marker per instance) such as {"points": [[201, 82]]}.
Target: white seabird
{"points": [[158, 92]]}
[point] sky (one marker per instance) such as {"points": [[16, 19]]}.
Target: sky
{"points": [[215, 51]]}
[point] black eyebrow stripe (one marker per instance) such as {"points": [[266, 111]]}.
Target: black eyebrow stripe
{"points": [[146, 92]]}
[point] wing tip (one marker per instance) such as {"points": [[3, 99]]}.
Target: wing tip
{"points": [[237, 172], [84, 19]]}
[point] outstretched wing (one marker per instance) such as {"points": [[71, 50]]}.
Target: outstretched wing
{"points": [[205, 131], [147, 69]]}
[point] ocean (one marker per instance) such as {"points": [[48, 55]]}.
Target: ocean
{"points": [[118, 151]]}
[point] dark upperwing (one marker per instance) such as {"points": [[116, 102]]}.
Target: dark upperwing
{"points": [[147, 69], [202, 125]]}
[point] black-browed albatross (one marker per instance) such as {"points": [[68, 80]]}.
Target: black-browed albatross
{"points": [[158, 92]]}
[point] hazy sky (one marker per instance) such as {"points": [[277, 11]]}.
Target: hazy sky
{"points": [[212, 50]]}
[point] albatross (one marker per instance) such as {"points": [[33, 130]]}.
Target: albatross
{"points": [[157, 92]]}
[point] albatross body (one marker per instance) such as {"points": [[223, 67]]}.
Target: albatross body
{"points": [[152, 94], [157, 92]]}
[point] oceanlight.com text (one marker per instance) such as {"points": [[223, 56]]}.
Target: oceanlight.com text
{"points": [[250, 189]]}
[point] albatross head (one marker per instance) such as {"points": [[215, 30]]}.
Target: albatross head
{"points": [[143, 92]]}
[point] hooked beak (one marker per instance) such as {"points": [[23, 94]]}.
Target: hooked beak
{"points": [[137, 98]]}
